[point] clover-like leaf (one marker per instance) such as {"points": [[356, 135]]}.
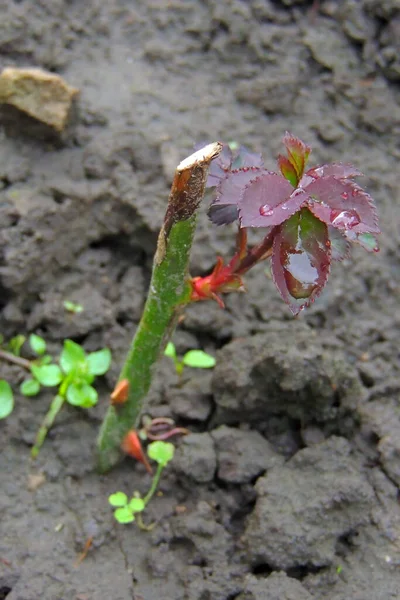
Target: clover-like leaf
{"points": [[301, 259], [124, 515], [137, 505], [161, 452], [343, 204], [269, 200], [99, 362], [47, 375], [118, 499]]}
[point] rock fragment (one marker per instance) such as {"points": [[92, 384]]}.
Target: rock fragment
{"points": [[41, 95]]}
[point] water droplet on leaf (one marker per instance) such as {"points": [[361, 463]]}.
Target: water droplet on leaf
{"points": [[266, 210], [344, 195], [346, 219]]}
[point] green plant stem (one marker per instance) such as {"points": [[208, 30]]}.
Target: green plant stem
{"points": [[47, 423], [16, 360], [154, 485], [169, 292]]}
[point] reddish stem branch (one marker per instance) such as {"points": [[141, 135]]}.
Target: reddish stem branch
{"points": [[16, 360]]}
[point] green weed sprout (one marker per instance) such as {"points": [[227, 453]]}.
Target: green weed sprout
{"points": [[74, 375], [73, 307], [197, 359], [129, 510]]}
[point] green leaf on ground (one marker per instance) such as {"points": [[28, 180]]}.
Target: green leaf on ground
{"points": [[199, 359], [82, 395], [30, 387], [118, 499], [37, 344], [6, 399], [161, 452], [48, 375], [124, 515], [99, 362], [72, 356]]}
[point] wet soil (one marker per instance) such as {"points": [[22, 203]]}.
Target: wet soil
{"points": [[288, 485]]}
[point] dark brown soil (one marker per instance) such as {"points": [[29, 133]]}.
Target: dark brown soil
{"points": [[290, 479]]}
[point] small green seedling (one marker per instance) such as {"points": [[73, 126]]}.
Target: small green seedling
{"points": [[129, 510], [74, 375], [72, 307], [197, 359]]}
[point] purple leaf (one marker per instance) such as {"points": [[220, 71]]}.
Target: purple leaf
{"points": [[269, 200], [298, 153], [223, 214], [229, 191], [242, 158], [343, 204], [338, 170], [301, 259], [220, 167]]}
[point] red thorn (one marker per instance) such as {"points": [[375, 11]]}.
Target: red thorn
{"points": [[132, 447], [120, 393]]}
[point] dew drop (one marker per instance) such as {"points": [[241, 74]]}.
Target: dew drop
{"points": [[296, 192], [346, 219], [266, 210], [344, 195], [284, 207]]}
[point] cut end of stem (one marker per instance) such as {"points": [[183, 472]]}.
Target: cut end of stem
{"points": [[204, 155]]}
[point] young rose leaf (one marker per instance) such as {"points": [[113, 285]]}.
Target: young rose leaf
{"points": [[243, 158], [298, 153], [288, 170], [223, 210], [340, 246], [219, 167], [269, 200], [343, 204], [338, 170], [367, 240], [301, 259]]}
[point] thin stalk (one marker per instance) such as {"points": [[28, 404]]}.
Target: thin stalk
{"points": [[47, 423], [260, 252], [169, 292], [154, 485], [16, 360]]}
